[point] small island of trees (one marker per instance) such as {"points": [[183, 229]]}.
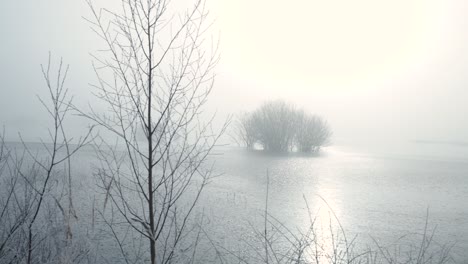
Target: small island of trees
{"points": [[277, 126]]}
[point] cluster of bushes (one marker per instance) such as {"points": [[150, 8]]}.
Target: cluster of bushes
{"points": [[279, 127]]}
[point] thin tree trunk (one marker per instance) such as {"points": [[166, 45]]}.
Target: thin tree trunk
{"points": [[150, 155]]}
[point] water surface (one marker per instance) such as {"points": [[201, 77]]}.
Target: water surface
{"points": [[375, 193]]}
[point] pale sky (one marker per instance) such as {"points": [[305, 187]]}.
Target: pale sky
{"points": [[375, 69]]}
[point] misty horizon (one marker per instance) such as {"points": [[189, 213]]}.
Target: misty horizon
{"points": [[375, 76]]}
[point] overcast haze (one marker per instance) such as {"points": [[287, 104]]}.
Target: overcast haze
{"points": [[374, 69]]}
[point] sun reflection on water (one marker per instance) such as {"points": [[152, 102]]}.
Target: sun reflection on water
{"points": [[327, 240]]}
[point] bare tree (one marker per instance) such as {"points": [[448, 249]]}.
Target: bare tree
{"points": [[274, 122], [279, 127], [13, 214], [155, 77], [58, 150], [29, 201], [312, 132], [244, 132]]}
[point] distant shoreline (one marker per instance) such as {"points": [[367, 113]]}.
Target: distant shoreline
{"points": [[442, 142]]}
